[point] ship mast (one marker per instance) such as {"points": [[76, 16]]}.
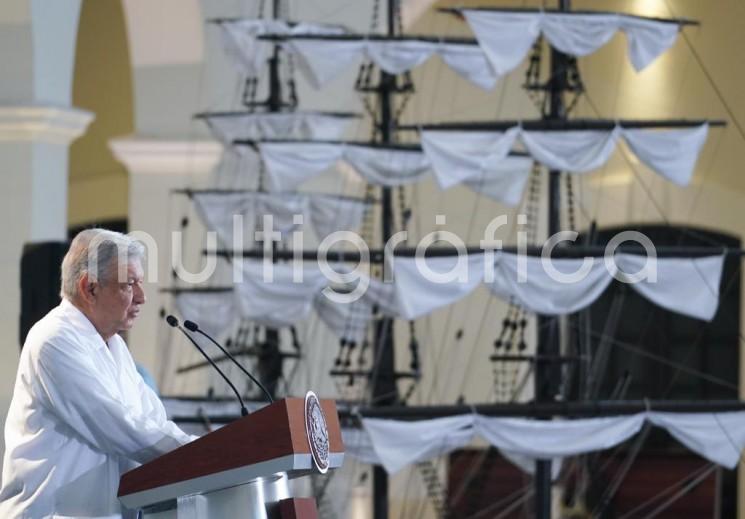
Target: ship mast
{"points": [[547, 374], [274, 99], [269, 358], [384, 390]]}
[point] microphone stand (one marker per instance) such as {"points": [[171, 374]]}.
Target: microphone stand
{"points": [[171, 320], [194, 327]]}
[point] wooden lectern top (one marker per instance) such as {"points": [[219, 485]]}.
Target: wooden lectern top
{"points": [[268, 441]]}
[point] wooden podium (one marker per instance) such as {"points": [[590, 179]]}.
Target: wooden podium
{"points": [[238, 471]]}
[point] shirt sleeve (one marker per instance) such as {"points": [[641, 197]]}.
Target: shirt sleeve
{"points": [[73, 389], [148, 394]]}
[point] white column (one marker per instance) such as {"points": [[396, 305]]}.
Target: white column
{"points": [[37, 125], [34, 142], [157, 167]]}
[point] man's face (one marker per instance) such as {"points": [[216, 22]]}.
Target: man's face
{"points": [[118, 302]]}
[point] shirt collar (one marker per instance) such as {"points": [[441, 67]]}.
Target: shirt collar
{"points": [[81, 323]]}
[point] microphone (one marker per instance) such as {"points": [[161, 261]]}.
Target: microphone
{"points": [[194, 327], [174, 322]]}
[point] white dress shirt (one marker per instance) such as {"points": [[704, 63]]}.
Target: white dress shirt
{"points": [[81, 415]]}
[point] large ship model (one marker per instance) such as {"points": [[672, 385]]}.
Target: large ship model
{"points": [[561, 314]]}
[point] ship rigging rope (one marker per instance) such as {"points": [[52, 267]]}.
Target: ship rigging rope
{"points": [[710, 79], [650, 197], [653, 199], [448, 323], [684, 491], [680, 367], [508, 500], [445, 335], [434, 355], [685, 484], [682, 234], [460, 492], [508, 510], [472, 219], [469, 361], [346, 182], [697, 343], [321, 368], [648, 192], [430, 75], [471, 356], [620, 475], [702, 334]]}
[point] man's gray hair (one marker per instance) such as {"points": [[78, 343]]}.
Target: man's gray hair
{"points": [[100, 253]]}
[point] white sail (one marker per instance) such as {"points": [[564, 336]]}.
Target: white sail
{"points": [[480, 160], [216, 312], [289, 164], [683, 285], [507, 37], [671, 153], [324, 59], [325, 214], [288, 300], [562, 291], [718, 437], [241, 41], [231, 126]]}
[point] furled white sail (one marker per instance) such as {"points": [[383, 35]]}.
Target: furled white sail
{"points": [[215, 312], [240, 214], [240, 38], [294, 293], [565, 289], [689, 286], [231, 126], [398, 444], [718, 437], [277, 295], [480, 160], [506, 37], [321, 60], [329, 214], [347, 321], [324, 59], [289, 164], [219, 212], [672, 153]]}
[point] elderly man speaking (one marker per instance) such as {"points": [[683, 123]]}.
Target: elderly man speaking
{"points": [[81, 414]]}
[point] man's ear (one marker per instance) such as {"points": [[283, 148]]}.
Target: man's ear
{"points": [[86, 288]]}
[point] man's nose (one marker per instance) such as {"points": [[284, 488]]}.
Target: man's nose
{"points": [[139, 295]]}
